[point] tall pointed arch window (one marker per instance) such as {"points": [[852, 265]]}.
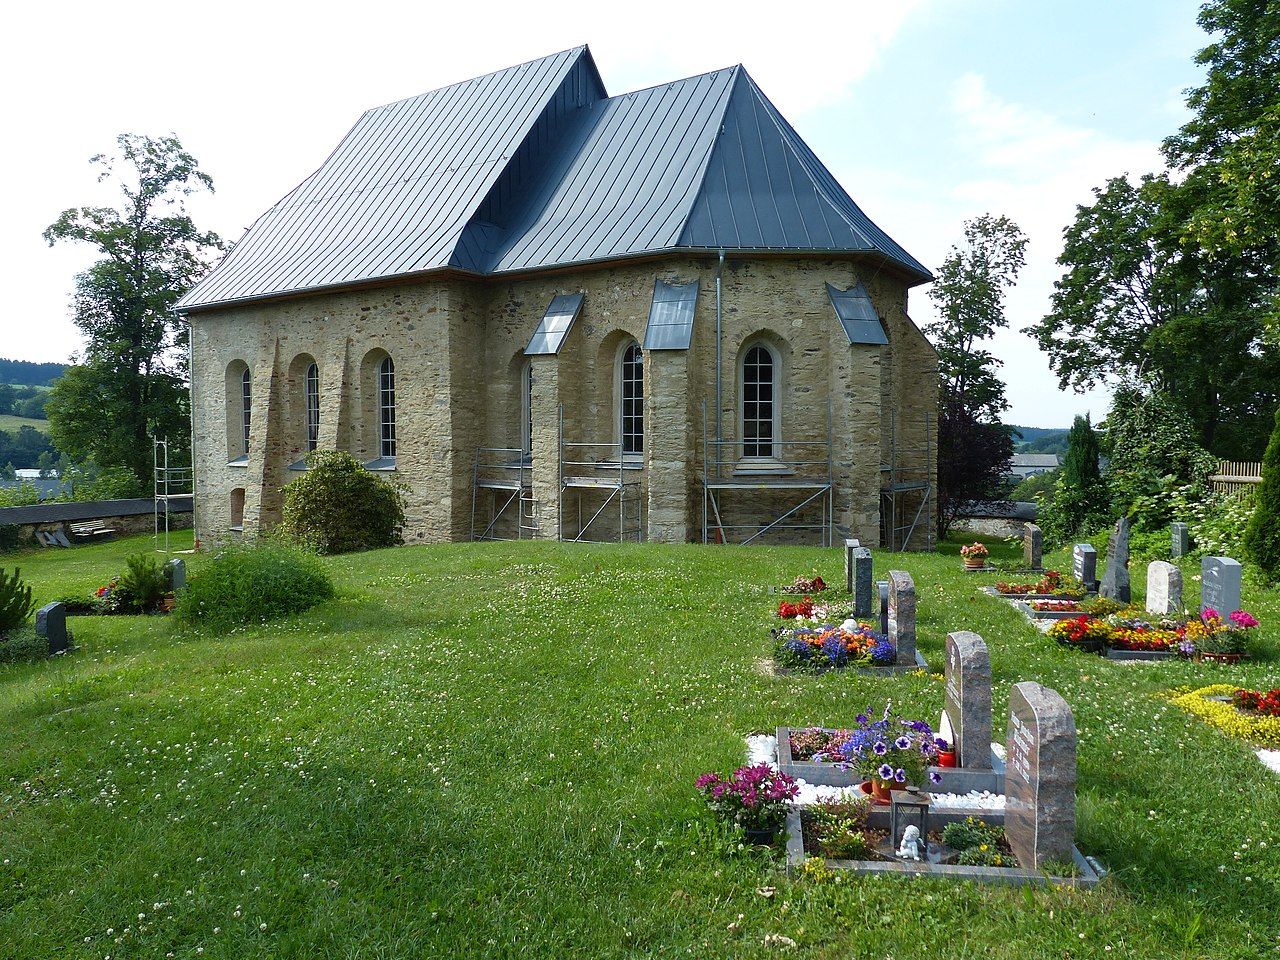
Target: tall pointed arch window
{"points": [[387, 408], [526, 408], [631, 399], [312, 396], [246, 405], [760, 406]]}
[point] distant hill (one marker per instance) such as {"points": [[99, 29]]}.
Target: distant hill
{"points": [[1040, 440], [27, 374]]}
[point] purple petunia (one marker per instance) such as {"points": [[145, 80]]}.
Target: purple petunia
{"points": [[885, 772]]}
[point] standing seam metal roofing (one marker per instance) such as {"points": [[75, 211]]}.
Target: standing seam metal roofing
{"points": [[534, 167]]}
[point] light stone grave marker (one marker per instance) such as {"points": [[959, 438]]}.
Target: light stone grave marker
{"points": [[902, 615], [1164, 587], [1220, 581], [1040, 776], [1084, 565], [968, 699], [175, 575], [1115, 580], [1180, 540], [1032, 547]]}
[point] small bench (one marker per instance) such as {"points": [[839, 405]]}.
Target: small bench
{"points": [[92, 530]]}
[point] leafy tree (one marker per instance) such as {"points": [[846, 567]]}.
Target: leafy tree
{"points": [[1078, 499], [974, 447], [131, 382], [1262, 536], [1035, 487]]}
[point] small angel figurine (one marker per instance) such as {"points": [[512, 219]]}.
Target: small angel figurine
{"points": [[909, 849]]}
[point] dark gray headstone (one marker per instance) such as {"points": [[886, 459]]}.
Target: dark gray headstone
{"points": [[1040, 776], [51, 623], [1032, 546], [902, 615], [968, 698], [861, 582], [1180, 537], [1084, 565], [175, 575], [1164, 587], [1220, 585], [882, 589], [1115, 579]]}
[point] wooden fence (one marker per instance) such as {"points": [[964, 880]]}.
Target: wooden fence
{"points": [[1236, 479]]}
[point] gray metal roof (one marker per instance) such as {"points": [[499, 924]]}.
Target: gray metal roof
{"points": [[857, 314], [535, 166], [671, 316], [549, 337], [87, 510]]}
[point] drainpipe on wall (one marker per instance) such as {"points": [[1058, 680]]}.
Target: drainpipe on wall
{"points": [[719, 404]]}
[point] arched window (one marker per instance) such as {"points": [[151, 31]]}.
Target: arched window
{"points": [[312, 391], [387, 408], [631, 399], [526, 408], [237, 508], [759, 401], [246, 405]]}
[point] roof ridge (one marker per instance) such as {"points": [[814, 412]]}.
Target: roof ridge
{"points": [[668, 83]]}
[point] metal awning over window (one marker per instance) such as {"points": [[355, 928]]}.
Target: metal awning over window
{"points": [[549, 337], [857, 314], [671, 316]]}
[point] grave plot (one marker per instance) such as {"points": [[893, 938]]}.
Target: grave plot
{"points": [[1249, 715], [1033, 845], [145, 587]]}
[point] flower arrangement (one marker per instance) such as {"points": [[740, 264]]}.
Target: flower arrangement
{"points": [[891, 750], [1206, 704], [802, 584], [827, 646], [753, 798], [975, 551], [1132, 629], [1082, 631], [1255, 701], [1212, 633], [816, 745], [789, 610], [1052, 582], [838, 829], [1055, 606]]}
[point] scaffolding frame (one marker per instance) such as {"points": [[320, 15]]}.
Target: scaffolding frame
{"points": [[904, 494], [795, 474], [169, 483], [507, 473], [582, 472]]}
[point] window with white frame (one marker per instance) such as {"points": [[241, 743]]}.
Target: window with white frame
{"points": [[387, 408], [246, 405], [312, 392], [631, 400], [759, 401]]}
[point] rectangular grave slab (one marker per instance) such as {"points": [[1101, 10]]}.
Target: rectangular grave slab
{"points": [[1040, 775], [1220, 583], [968, 698], [1032, 547], [1164, 587], [1115, 579], [175, 575], [1180, 540], [1084, 565], [861, 582], [849, 547], [902, 615], [51, 623], [882, 591]]}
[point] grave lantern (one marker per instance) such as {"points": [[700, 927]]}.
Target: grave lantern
{"points": [[909, 808]]}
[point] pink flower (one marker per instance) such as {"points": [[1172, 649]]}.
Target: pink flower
{"points": [[1243, 619]]}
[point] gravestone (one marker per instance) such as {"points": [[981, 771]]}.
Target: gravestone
{"points": [[1220, 585], [1084, 565], [968, 699], [849, 547], [1040, 776], [51, 623], [902, 615], [1164, 587], [175, 575], [1032, 547], [882, 588], [1180, 536], [861, 582], [1115, 580]]}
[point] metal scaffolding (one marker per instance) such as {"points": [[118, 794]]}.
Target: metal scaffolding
{"points": [[600, 469], [169, 483], [906, 488], [503, 479], [800, 472]]}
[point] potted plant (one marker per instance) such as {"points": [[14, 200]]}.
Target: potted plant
{"points": [[753, 798], [975, 556], [1219, 640], [892, 753]]}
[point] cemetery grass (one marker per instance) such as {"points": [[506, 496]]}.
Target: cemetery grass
{"points": [[489, 750]]}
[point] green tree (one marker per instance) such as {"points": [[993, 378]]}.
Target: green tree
{"points": [[1078, 500], [1262, 536], [974, 447], [133, 375]]}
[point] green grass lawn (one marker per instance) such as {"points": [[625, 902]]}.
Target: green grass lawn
{"points": [[489, 750], [12, 424]]}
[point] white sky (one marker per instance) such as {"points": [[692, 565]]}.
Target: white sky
{"points": [[928, 111]]}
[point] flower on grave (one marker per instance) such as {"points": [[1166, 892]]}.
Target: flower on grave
{"points": [[973, 550], [1243, 620], [753, 797], [891, 749]]}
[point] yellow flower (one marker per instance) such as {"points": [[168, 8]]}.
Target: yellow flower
{"points": [[1254, 729]]}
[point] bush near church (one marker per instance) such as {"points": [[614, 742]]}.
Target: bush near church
{"points": [[338, 506], [245, 585]]}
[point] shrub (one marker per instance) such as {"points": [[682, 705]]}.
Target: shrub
{"points": [[10, 536], [338, 506], [970, 832], [1262, 537], [245, 585], [142, 584], [15, 601]]}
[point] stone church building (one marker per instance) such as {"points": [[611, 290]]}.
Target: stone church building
{"points": [[553, 313]]}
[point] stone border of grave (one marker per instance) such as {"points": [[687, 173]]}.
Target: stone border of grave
{"points": [[993, 592], [886, 670], [1031, 613]]}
